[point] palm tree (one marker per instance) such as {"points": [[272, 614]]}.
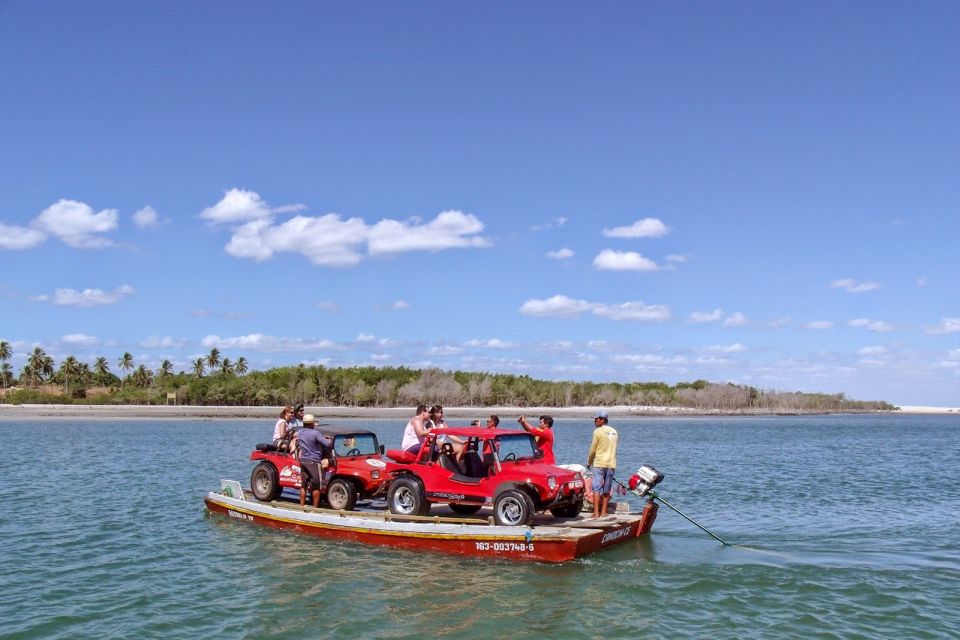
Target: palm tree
{"points": [[199, 367], [102, 367], [69, 367], [142, 376], [213, 358], [241, 366], [40, 364], [226, 367], [28, 375], [6, 372], [166, 369], [125, 363], [6, 352]]}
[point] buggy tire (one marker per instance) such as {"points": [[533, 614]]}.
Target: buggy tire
{"points": [[264, 483], [465, 509], [341, 494], [568, 510], [513, 508], [406, 497]]}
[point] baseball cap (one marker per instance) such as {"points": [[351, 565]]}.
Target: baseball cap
{"points": [[601, 414]]}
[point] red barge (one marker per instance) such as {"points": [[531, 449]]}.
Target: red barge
{"points": [[547, 539]]}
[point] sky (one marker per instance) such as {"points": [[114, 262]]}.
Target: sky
{"points": [[750, 192]]}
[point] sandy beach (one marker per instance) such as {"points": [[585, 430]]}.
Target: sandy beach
{"points": [[456, 414]]}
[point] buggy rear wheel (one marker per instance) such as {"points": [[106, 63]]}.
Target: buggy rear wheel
{"points": [[513, 508], [263, 482], [406, 497]]}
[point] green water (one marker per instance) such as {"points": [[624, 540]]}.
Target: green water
{"points": [[844, 527]]}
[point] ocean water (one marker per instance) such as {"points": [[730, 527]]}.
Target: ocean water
{"points": [[841, 527]]}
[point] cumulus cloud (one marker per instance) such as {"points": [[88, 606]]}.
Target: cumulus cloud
{"points": [[76, 224], [493, 343], [329, 240], [610, 260], [560, 254], [450, 229], [633, 311], [79, 340], [878, 326], [947, 325], [265, 343], [676, 258], [734, 320], [921, 282], [646, 228], [18, 238], [400, 305], [872, 351], [365, 337], [560, 306], [854, 286], [85, 298], [648, 359], [780, 322], [165, 342], [707, 316], [556, 222], [819, 324], [736, 347], [237, 205], [146, 217]]}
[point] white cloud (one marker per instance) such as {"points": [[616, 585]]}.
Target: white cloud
{"points": [[558, 306], [450, 229], [560, 254], [327, 305], [76, 224], [921, 282], [780, 322], [947, 325], [819, 324], [237, 205], [611, 260], [648, 359], [18, 238], [878, 326], [380, 357], [854, 286], [400, 305], [146, 217], [85, 298], [444, 350], [676, 258], [872, 351], [735, 320], [365, 337], [646, 228], [493, 343], [633, 311], [707, 316], [166, 342], [80, 340], [325, 241], [556, 222], [265, 343], [730, 348]]}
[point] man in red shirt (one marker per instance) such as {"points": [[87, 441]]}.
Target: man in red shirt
{"points": [[543, 434]]}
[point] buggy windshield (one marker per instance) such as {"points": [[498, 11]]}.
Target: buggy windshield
{"points": [[520, 445], [360, 444]]}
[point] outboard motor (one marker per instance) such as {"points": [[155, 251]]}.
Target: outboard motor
{"points": [[644, 480]]}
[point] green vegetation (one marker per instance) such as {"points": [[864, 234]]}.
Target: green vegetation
{"points": [[216, 380]]}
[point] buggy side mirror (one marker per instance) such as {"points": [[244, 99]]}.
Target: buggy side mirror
{"points": [[383, 449], [538, 453]]}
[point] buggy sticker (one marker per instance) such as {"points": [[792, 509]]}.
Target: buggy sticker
{"points": [[379, 464]]}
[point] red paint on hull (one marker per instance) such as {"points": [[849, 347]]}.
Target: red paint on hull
{"points": [[514, 547]]}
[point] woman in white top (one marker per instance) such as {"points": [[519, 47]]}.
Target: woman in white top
{"points": [[280, 430], [436, 421]]}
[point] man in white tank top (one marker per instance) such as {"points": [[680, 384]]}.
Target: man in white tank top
{"points": [[415, 431]]}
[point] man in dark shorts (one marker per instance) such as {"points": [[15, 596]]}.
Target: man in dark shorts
{"points": [[311, 444]]}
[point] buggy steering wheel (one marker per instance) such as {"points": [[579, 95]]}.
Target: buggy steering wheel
{"points": [[510, 456], [353, 452]]}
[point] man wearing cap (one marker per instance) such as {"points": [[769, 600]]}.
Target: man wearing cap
{"points": [[312, 463], [297, 421], [603, 452]]}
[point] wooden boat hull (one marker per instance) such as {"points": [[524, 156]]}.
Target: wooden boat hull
{"points": [[558, 541]]}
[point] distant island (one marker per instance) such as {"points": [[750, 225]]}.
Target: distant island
{"points": [[215, 380]]}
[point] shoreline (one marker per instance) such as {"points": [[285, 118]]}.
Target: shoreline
{"points": [[184, 412]]}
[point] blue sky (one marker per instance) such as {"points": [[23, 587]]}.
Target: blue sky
{"points": [[753, 192]]}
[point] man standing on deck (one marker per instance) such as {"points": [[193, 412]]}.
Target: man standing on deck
{"points": [[543, 434], [603, 452], [312, 463]]}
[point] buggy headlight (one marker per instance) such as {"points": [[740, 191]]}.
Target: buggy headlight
{"points": [[552, 482]]}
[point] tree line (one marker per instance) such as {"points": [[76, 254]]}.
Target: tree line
{"points": [[217, 380]]}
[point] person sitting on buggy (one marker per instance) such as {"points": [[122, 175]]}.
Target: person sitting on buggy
{"points": [[284, 436]]}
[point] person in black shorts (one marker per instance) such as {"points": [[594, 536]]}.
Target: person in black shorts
{"points": [[312, 463]]}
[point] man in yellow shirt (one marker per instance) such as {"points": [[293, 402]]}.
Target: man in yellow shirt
{"points": [[603, 452]]}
